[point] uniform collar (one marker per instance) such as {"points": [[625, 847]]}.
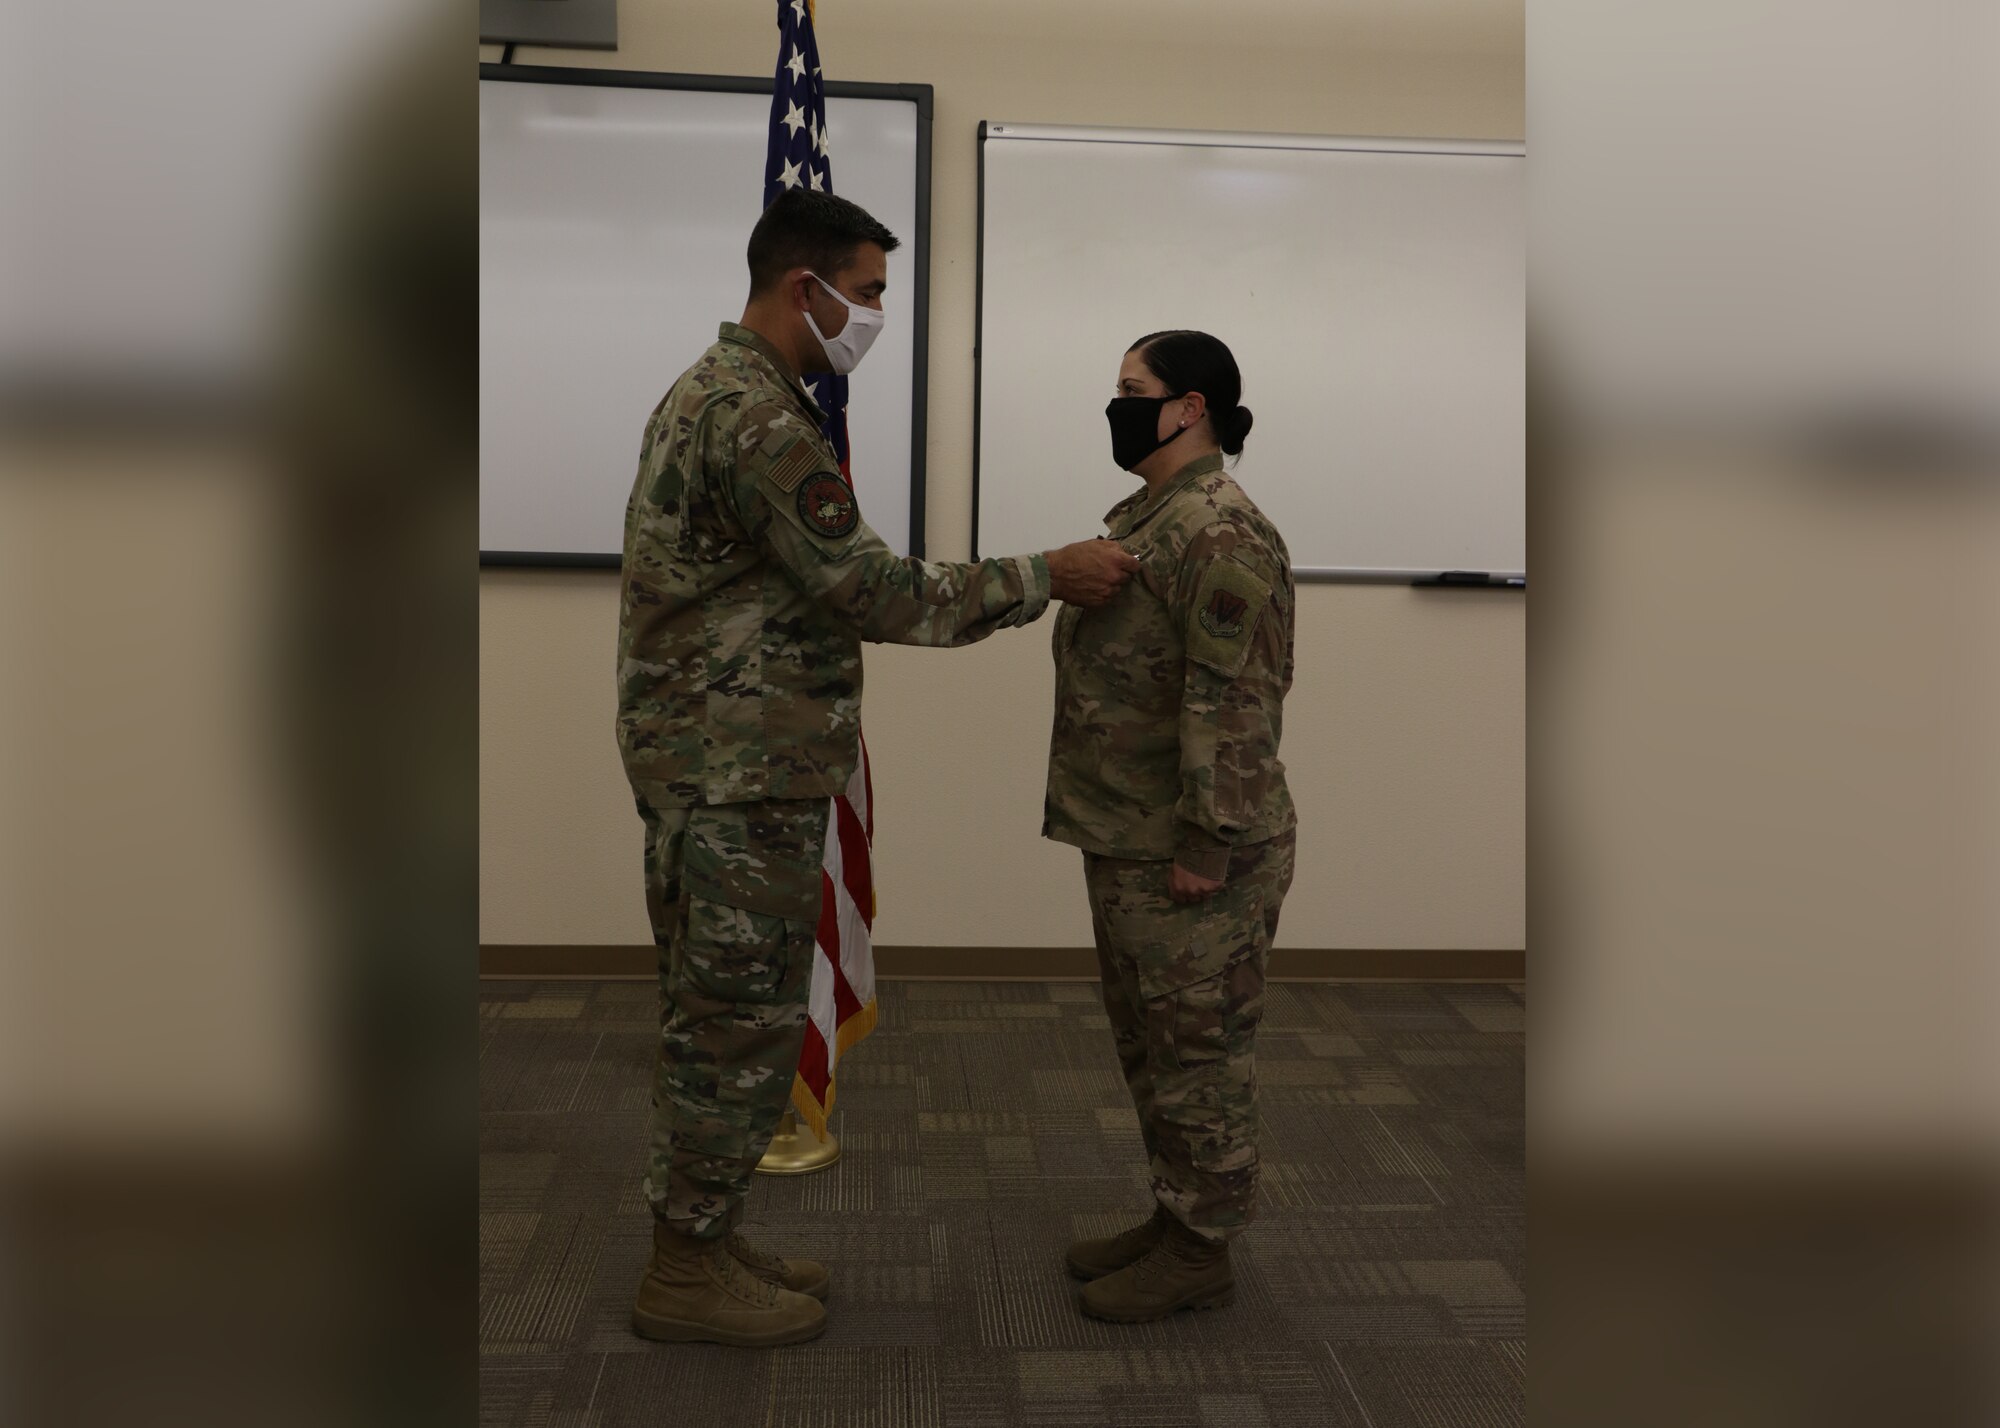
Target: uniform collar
{"points": [[1142, 505], [742, 336]]}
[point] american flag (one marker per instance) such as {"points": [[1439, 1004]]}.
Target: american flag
{"points": [[843, 980]]}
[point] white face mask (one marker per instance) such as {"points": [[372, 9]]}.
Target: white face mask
{"points": [[845, 349]]}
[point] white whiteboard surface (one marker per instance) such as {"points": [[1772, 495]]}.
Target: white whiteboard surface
{"points": [[612, 228], [1372, 290]]}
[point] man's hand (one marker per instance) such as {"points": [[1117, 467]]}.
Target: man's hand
{"points": [[1184, 886], [1089, 572]]}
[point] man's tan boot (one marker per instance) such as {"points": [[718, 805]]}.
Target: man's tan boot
{"points": [[1182, 1271], [696, 1291], [1093, 1259], [801, 1276]]}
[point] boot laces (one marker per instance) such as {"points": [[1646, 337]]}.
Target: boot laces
{"points": [[739, 1281], [1168, 1254], [754, 1257], [1153, 1264]]}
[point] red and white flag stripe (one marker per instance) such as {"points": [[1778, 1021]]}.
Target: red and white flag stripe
{"points": [[843, 980]]}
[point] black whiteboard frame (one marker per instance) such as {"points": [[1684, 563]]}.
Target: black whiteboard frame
{"points": [[921, 95]]}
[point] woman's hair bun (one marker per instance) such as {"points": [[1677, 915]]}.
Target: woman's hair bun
{"points": [[1234, 427], [1189, 361]]}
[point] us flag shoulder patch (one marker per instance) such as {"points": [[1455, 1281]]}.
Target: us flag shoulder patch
{"points": [[798, 461]]}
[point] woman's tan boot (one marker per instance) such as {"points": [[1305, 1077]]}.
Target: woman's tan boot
{"points": [[1093, 1259], [1182, 1271]]}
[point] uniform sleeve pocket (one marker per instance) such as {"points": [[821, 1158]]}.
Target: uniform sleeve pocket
{"points": [[822, 507], [1223, 621]]}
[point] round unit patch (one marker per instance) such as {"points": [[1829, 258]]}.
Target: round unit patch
{"points": [[827, 505]]}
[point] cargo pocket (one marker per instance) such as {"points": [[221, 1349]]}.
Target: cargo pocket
{"points": [[753, 905], [774, 884], [1207, 994]]}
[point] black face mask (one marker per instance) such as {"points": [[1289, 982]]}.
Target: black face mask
{"points": [[1135, 422]]}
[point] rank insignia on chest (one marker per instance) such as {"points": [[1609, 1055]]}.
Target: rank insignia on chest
{"points": [[1223, 615], [827, 506]]}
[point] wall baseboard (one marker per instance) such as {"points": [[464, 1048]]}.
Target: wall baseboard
{"points": [[1040, 964]]}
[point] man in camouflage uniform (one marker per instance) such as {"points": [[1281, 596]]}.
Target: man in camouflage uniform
{"points": [[749, 582], [1164, 769]]}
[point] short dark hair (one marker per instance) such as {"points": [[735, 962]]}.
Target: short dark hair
{"points": [[1195, 362], [804, 229]]}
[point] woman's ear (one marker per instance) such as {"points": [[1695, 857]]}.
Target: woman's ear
{"points": [[1196, 407]]}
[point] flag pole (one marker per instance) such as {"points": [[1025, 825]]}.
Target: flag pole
{"points": [[794, 1151], [843, 971]]}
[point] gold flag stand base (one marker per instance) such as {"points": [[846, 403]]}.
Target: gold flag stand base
{"points": [[795, 1151]]}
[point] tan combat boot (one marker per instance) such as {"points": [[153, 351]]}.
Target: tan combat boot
{"points": [[696, 1291], [801, 1276], [1093, 1259], [1182, 1271]]}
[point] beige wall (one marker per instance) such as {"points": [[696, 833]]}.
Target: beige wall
{"points": [[1405, 731]]}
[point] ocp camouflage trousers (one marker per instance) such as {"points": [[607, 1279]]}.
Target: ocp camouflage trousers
{"points": [[733, 891], [1184, 988]]}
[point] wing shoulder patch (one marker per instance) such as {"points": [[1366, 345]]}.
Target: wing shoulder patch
{"points": [[1227, 606]]}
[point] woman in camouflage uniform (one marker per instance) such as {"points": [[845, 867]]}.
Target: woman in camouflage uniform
{"points": [[1164, 770]]}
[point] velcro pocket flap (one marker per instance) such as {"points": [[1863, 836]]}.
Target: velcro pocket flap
{"points": [[772, 886], [1215, 943]]}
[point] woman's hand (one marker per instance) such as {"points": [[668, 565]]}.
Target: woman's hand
{"points": [[1184, 886]]}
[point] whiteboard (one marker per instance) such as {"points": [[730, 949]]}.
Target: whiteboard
{"points": [[1373, 292], [614, 210]]}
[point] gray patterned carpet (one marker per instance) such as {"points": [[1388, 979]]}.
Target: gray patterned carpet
{"points": [[984, 1126]]}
